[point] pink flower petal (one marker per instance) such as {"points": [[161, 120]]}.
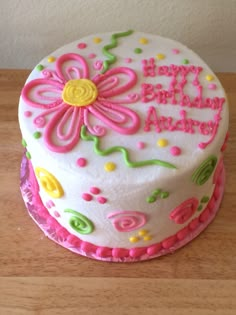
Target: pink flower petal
{"points": [[69, 70], [115, 81], [63, 130]]}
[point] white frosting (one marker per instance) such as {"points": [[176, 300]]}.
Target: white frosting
{"points": [[126, 188]]}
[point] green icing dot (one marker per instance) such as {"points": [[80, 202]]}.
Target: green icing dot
{"points": [[28, 155], [164, 194], [40, 67], [156, 192], [138, 50], [199, 208], [185, 61], [151, 199], [23, 142], [204, 199], [37, 135]]}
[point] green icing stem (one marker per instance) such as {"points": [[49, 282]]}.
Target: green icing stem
{"points": [[123, 150], [111, 57]]}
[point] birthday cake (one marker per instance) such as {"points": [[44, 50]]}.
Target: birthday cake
{"points": [[124, 136]]}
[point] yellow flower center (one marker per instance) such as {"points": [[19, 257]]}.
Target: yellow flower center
{"points": [[79, 92]]}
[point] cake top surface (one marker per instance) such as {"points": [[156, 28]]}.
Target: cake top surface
{"points": [[127, 100]]}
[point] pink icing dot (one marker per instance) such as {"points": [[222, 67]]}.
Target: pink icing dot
{"points": [[57, 214], [101, 199], [141, 145], [81, 162], [95, 190], [82, 45], [97, 65], [27, 113], [87, 197], [175, 151], [159, 86], [91, 56], [128, 60], [175, 51], [212, 86]]}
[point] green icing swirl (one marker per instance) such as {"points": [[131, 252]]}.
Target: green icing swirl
{"points": [[204, 171], [80, 223], [122, 150], [111, 57]]}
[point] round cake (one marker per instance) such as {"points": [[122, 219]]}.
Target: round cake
{"points": [[124, 136]]}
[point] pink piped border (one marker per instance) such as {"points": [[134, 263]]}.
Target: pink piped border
{"points": [[53, 230]]}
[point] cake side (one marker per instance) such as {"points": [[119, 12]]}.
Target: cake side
{"points": [[135, 159]]}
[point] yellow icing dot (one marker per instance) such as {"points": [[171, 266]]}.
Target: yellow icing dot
{"points": [[97, 40], [160, 56], [162, 143], [142, 232], [109, 166], [49, 183], [133, 239], [143, 40], [147, 238], [209, 77], [81, 92], [51, 59]]}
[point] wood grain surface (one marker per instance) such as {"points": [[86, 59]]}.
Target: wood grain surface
{"points": [[38, 276]]}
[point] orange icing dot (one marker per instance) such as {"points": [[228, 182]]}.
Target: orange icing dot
{"points": [[160, 56], [143, 40], [97, 40], [109, 166]]}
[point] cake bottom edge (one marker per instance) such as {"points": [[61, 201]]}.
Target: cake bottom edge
{"points": [[54, 231]]}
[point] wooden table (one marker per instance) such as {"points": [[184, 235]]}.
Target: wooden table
{"points": [[40, 277]]}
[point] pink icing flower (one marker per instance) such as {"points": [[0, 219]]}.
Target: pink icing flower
{"points": [[184, 211], [69, 99]]}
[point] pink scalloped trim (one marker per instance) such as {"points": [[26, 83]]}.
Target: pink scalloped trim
{"points": [[60, 235]]}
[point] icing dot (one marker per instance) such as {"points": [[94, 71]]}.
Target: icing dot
{"points": [[27, 113], [205, 199], [23, 142], [51, 59], [91, 56], [199, 208], [162, 142], [57, 214], [87, 197], [81, 162], [160, 56], [101, 199], [141, 145], [142, 232], [212, 86], [37, 135], [133, 239], [128, 60], [39, 67], [164, 195], [28, 155], [175, 51], [97, 40], [175, 151], [147, 237], [209, 77], [97, 65], [109, 166], [138, 50], [95, 190], [143, 40], [185, 61], [159, 86], [82, 45]]}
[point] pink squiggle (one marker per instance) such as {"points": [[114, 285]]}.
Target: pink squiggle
{"points": [[64, 121], [75, 70], [97, 65], [106, 109], [40, 94], [126, 221], [108, 84], [51, 74], [96, 130]]}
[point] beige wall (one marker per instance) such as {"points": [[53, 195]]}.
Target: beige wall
{"points": [[31, 29]]}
